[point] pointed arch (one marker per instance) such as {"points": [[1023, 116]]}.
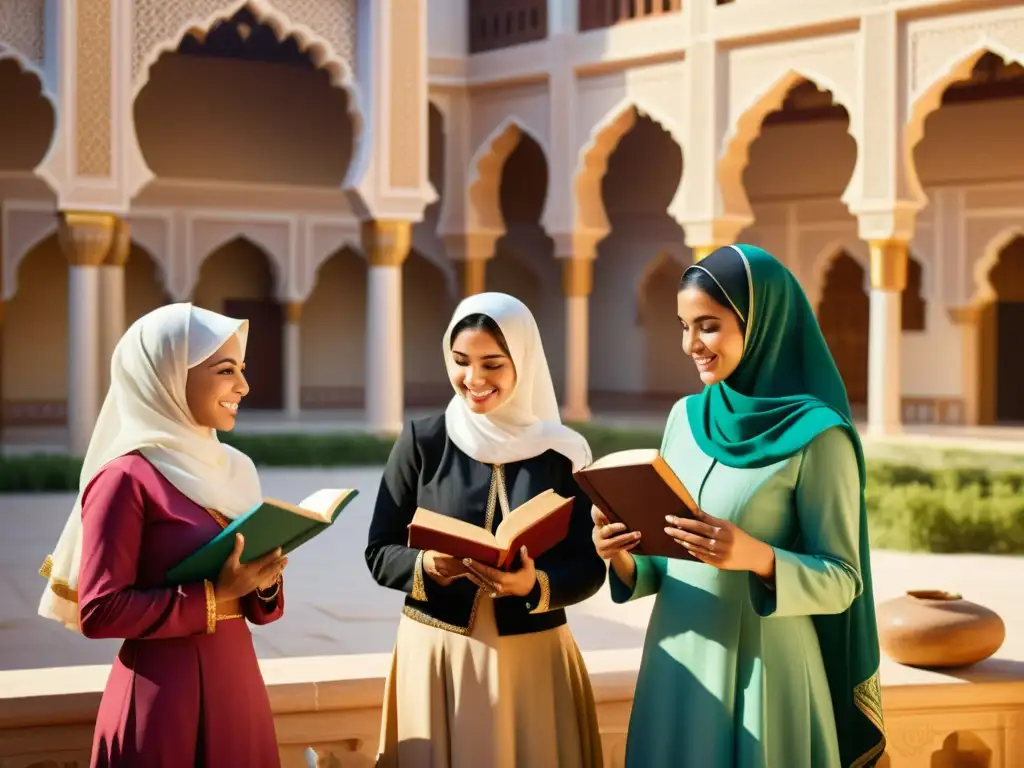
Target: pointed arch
{"points": [[240, 233], [745, 129], [593, 156], [927, 98], [821, 263], [485, 171], [984, 291], [31, 68], [319, 50]]}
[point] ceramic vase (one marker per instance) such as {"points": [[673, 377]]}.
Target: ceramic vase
{"points": [[932, 628]]}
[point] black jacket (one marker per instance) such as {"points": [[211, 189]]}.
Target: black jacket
{"points": [[426, 469]]}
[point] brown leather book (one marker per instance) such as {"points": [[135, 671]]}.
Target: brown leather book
{"points": [[637, 488], [538, 524]]}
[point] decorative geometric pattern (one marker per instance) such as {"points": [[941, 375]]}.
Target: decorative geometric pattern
{"points": [[93, 88], [159, 21], [407, 138], [22, 24]]}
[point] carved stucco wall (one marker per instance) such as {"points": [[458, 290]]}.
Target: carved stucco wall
{"points": [[22, 25], [159, 21], [93, 91]]}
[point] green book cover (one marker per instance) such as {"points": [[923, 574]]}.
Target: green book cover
{"points": [[272, 524]]}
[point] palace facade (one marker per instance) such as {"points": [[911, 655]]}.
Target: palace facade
{"points": [[340, 172]]}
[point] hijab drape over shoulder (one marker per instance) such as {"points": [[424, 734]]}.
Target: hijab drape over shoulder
{"points": [[145, 410], [785, 392], [528, 423]]}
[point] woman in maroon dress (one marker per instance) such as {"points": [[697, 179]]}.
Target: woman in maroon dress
{"points": [[185, 689]]}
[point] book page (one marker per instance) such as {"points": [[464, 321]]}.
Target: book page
{"points": [[526, 515], [323, 502], [625, 458], [424, 518]]}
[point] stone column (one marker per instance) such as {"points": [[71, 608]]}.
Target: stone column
{"points": [[386, 244], [86, 239], [968, 319], [577, 284], [112, 300], [888, 279], [292, 373]]}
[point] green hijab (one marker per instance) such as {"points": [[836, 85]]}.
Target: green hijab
{"points": [[785, 392]]}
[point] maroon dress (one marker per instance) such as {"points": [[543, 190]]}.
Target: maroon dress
{"points": [[185, 689]]}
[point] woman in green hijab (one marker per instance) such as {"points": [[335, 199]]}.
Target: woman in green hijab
{"points": [[762, 650]]}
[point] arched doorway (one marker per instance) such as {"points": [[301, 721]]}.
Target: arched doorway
{"points": [[844, 317], [637, 365], [237, 280], [524, 265], [1001, 323]]}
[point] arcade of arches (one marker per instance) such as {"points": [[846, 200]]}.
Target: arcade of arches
{"points": [[223, 92]]}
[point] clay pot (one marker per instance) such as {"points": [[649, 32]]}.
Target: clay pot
{"points": [[931, 628]]}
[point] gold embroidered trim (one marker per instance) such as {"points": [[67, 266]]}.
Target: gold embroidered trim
{"points": [[226, 616], [419, 587], [545, 593], [222, 521], [211, 608], [868, 698], [59, 587]]}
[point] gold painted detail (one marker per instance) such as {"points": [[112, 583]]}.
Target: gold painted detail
{"points": [[121, 246], [577, 277], [386, 242], [474, 276], [86, 237], [59, 587], [701, 252], [545, 593], [868, 698], [211, 608], [293, 312], [419, 587], [93, 88], [967, 315], [889, 264]]}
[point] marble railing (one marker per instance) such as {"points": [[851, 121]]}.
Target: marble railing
{"points": [[332, 706]]}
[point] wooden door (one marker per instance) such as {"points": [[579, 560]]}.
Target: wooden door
{"points": [[844, 316], [264, 354], [1009, 363]]}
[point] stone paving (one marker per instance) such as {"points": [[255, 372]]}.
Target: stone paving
{"points": [[334, 607]]}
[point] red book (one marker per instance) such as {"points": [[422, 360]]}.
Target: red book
{"points": [[538, 524], [638, 489]]}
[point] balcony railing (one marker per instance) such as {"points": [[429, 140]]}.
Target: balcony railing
{"points": [[497, 24], [597, 14]]}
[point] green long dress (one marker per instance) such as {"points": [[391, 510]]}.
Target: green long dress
{"points": [[736, 674], [732, 672]]}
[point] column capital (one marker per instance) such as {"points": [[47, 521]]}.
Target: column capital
{"points": [[577, 276], [292, 312], [477, 245], [888, 264], [121, 245], [386, 243], [580, 243], [705, 235], [965, 316], [892, 220], [86, 237]]}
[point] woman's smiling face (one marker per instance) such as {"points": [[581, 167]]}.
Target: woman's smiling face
{"points": [[485, 374]]}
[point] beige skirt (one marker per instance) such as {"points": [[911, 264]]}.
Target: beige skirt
{"points": [[485, 701]]}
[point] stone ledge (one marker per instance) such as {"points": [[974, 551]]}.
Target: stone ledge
{"points": [[332, 703]]}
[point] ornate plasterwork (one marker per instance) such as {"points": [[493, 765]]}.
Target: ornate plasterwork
{"points": [[22, 28], [159, 21]]}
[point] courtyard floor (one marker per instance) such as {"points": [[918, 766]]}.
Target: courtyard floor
{"points": [[334, 607]]}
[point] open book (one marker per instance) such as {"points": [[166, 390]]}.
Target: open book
{"points": [[538, 524], [637, 488], [272, 524]]}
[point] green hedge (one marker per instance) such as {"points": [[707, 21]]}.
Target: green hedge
{"points": [[912, 505]]}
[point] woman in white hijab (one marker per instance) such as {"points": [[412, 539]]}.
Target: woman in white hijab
{"points": [[485, 669], [156, 485]]}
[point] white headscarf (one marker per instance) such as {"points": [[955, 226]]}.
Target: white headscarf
{"points": [[528, 422], [145, 410]]}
